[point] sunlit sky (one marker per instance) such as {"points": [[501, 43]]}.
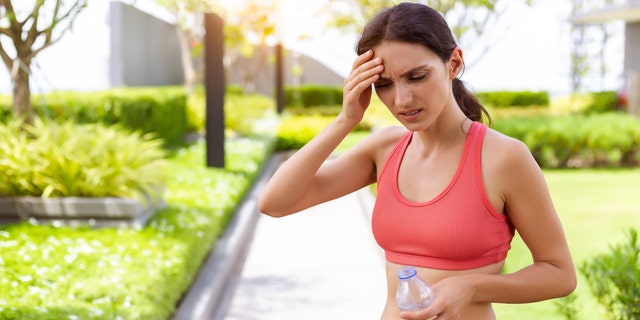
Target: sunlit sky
{"points": [[530, 51]]}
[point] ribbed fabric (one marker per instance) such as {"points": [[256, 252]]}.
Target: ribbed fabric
{"points": [[458, 229]]}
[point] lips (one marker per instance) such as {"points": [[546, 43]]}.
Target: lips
{"points": [[411, 114]]}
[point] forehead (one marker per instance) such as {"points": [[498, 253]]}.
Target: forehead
{"points": [[404, 55]]}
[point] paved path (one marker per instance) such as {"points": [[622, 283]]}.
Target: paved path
{"points": [[321, 263]]}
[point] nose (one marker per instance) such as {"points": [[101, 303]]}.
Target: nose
{"points": [[402, 95]]}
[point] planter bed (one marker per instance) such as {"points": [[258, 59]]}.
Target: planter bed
{"points": [[108, 211]]}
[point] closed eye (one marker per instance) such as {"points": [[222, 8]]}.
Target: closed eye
{"points": [[418, 77], [380, 85]]}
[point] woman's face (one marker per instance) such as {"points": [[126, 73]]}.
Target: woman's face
{"points": [[415, 84]]}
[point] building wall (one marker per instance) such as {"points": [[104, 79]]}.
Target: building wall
{"points": [[144, 49], [632, 46], [299, 69]]}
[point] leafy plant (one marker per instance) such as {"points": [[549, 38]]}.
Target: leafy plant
{"points": [[51, 272], [50, 159], [295, 131], [567, 307], [614, 278]]}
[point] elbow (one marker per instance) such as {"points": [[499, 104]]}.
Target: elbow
{"points": [[268, 209], [569, 284], [572, 284]]}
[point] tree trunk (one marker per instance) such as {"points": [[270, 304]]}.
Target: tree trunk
{"points": [[22, 94]]}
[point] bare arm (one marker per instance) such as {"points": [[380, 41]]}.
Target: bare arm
{"points": [[303, 181], [531, 210]]}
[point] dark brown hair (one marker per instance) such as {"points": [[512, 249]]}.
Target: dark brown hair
{"points": [[418, 23]]}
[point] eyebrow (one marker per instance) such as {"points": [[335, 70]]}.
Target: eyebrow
{"points": [[408, 73]]}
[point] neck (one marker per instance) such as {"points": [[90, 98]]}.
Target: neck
{"points": [[447, 132]]}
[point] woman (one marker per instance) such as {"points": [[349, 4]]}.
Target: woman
{"points": [[451, 192]]}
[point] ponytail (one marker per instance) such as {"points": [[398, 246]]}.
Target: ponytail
{"points": [[469, 103]]}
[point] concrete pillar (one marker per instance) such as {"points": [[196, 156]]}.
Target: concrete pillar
{"points": [[214, 88]]}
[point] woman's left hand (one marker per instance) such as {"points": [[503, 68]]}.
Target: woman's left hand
{"points": [[452, 296]]}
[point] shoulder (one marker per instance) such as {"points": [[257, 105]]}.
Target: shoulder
{"points": [[386, 137], [508, 163], [379, 143], [504, 150]]}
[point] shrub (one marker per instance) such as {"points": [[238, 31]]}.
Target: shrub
{"points": [[587, 103], [295, 131], [51, 272], [614, 278], [312, 95], [611, 140], [240, 111], [159, 110], [52, 159], [499, 99], [600, 102]]}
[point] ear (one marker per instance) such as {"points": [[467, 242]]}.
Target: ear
{"points": [[456, 63]]}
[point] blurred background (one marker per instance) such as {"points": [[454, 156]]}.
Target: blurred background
{"points": [[510, 45]]}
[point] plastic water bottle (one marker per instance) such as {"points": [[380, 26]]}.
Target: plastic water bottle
{"points": [[413, 293]]}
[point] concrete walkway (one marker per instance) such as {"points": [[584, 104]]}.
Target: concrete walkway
{"points": [[321, 263]]}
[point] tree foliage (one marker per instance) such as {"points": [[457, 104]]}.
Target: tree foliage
{"points": [[469, 20], [248, 25], [29, 29]]}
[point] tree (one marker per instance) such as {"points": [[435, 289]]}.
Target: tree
{"points": [[469, 19], [248, 25], [189, 16], [579, 55], [31, 31]]}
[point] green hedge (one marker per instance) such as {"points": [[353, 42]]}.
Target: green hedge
{"points": [[306, 96], [241, 111], [499, 99], [596, 140], [600, 102], [312, 95], [162, 110]]}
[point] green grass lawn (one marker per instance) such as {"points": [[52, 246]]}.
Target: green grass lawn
{"points": [[596, 206]]}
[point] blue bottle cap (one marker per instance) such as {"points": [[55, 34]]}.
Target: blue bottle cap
{"points": [[406, 272]]}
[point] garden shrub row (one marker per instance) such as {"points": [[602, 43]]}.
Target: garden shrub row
{"points": [[165, 111], [241, 111], [596, 140], [311, 96], [498, 99], [161, 110], [601, 102]]}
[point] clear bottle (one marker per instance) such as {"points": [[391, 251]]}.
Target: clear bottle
{"points": [[413, 293]]}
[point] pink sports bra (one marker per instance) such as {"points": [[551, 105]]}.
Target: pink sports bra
{"points": [[458, 229]]}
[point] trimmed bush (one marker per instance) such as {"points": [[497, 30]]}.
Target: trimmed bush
{"points": [[295, 131], [601, 102], [499, 99], [312, 95], [241, 111], [598, 140]]}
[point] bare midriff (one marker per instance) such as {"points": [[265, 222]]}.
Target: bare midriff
{"points": [[475, 311]]}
